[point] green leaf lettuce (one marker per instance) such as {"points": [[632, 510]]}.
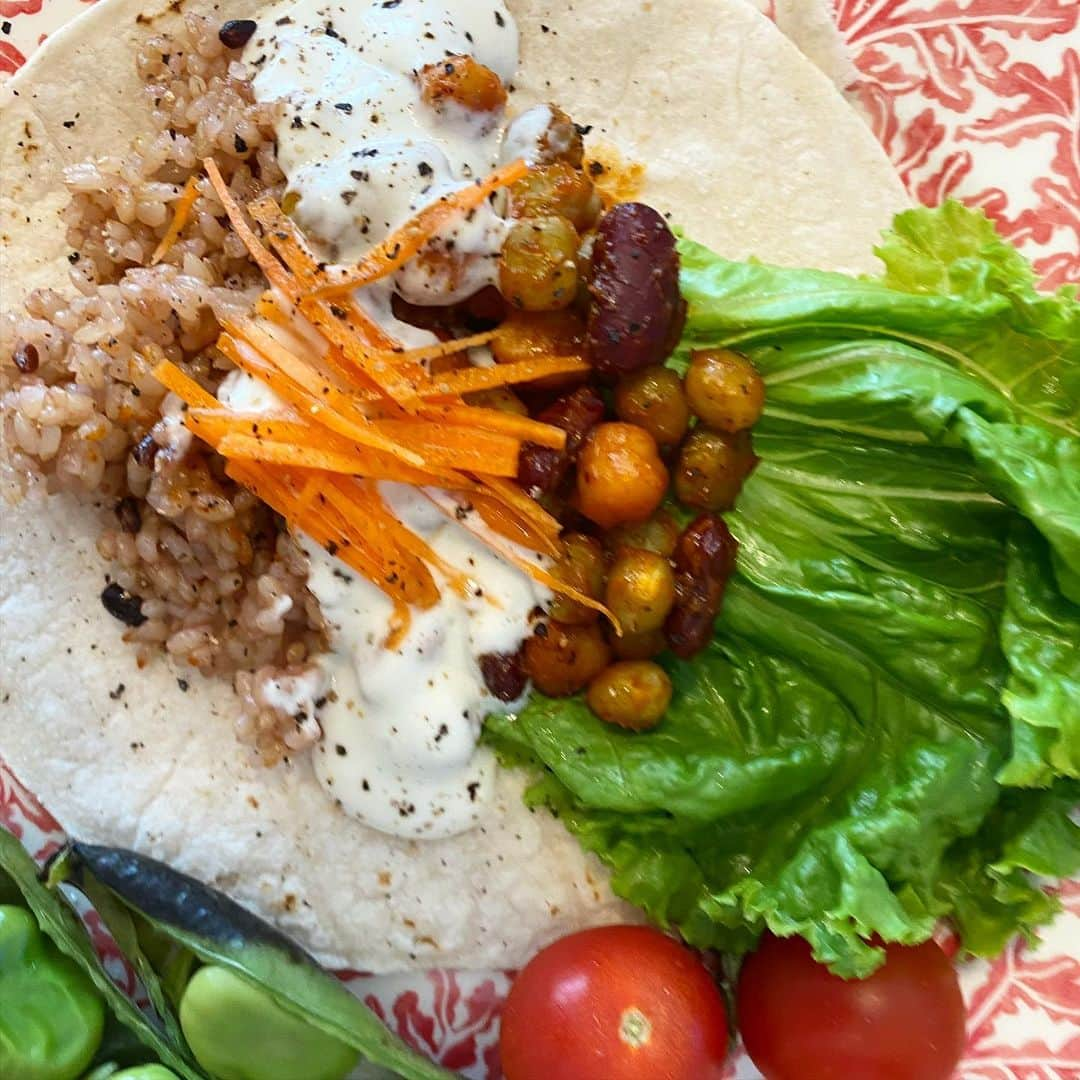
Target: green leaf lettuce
{"points": [[901, 638]]}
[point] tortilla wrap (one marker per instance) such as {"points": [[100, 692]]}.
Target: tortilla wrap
{"points": [[747, 146]]}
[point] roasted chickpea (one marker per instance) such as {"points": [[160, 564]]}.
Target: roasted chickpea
{"points": [[632, 694], [724, 389], [559, 138], [640, 590], [529, 335], [620, 475], [500, 398], [660, 533], [561, 660], [638, 646], [538, 267], [462, 79], [712, 467], [557, 188], [653, 398], [582, 567]]}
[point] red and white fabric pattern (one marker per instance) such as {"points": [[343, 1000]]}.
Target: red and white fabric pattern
{"points": [[972, 99]]}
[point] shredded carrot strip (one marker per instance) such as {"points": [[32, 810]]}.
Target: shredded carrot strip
{"points": [[183, 386], [274, 271], [378, 366], [409, 540], [286, 239], [406, 573], [524, 506], [457, 447], [404, 243], [503, 520], [521, 427], [447, 348], [315, 395], [451, 507], [181, 213], [467, 380]]}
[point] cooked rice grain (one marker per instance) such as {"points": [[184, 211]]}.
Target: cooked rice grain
{"points": [[223, 585]]}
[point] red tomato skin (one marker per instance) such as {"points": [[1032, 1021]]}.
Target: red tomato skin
{"points": [[800, 1022], [562, 1016]]}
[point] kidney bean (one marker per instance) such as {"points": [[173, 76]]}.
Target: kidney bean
{"points": [[540, 468], [504, 674], [634, 288], [704, 560]]}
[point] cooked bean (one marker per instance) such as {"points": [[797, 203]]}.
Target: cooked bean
{"points": [[557, 188], [236, 33], [504, 674], [632, 694], [712, 467], [561, 660], [499, 398], [123, 605], [638, 646], [529, 335], [26, 357], [544, 134], [659, 533], [620, 475], [128, 514], [538, 265], [145, 450], [653, 398], [583, 567], [704, 560], [640, 590], [464, 80], [635, 290], [724, 389], [540, 468]]}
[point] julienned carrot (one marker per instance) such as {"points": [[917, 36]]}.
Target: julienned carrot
{"points": [[468, 380], [456, 447], [286, 239], [402, 244], [335, 324], [181, 213], [447, 348], [502, 519], [184, 386], [275, 273], [373, 504], [357, 505], [452, 508], [302, 387], [520, 427], [213, 425], [525, 507]]}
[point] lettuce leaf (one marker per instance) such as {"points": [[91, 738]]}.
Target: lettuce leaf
{"points": [[902, 636]]}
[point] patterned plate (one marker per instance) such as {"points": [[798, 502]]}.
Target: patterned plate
{"points": [[974, 99]]}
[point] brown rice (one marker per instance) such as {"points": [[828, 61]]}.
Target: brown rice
{"points": [[222, 583]]}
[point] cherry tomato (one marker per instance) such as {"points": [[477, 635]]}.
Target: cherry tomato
{"points": [[614, 1003], [801, 1022]]}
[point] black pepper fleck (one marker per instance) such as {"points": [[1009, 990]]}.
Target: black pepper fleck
{"points": [[239, 144]]}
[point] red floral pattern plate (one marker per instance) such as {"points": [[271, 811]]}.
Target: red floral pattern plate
{"points": [[973, 99]]}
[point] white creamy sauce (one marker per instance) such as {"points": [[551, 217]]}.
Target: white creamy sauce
{"points": [[361, 149], [363, 153], [399, 735]]}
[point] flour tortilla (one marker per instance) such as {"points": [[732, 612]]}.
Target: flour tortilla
{"points": [[746, 145]]}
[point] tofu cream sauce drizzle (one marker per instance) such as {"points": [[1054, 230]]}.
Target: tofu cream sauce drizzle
{"points": [[363, 153]]}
